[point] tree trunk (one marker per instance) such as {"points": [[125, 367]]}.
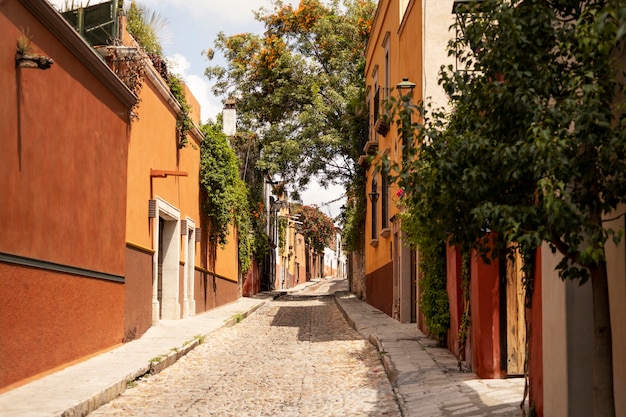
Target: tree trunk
{"points": [[603, 399]]}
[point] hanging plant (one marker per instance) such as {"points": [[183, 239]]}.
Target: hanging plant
{"points": [[184, 123]]}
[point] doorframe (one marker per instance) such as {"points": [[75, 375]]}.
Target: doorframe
{"points": [[170, 270]]}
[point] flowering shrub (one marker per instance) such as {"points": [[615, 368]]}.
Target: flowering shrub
{"points": [[318, 229]]}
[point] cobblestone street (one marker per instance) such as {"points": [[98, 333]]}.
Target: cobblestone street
{"points": [[296, 356]]}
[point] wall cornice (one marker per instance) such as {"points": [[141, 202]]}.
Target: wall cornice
{"points": [[57, 25]]}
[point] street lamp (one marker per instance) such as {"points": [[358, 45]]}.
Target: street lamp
{"points": [[374, 194], [405, 89], [459, 9], [374, 198]]}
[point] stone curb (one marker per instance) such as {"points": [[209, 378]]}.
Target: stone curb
{"points": [[152, 368], [390, 368]]}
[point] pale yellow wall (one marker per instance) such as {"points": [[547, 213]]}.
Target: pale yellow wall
{"points": [[567, 343], [554, 336], [438, 18]]}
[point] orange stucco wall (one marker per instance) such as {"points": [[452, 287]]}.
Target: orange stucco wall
{"points": [[63, 158], [154, 146], [393, 53]]}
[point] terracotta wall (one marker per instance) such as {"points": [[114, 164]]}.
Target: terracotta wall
{"points": [[138, 306], [455, 296], [63, 157], [63, 150], [212, 291], [49, 320], [252, 280], [485, 315]]}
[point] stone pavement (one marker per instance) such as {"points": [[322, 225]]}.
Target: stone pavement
{"points": [[295, 357], [424, 377]]}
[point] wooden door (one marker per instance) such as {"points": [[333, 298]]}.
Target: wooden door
{"points": [[516, 323]]}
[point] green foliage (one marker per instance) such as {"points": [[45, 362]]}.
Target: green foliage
{"points": [[353, 216], [317, 228], [183, 123], [283, 224], [145, 27], [535, 147], [464, 327], [227, 195], [295, 85], [434, 298]]}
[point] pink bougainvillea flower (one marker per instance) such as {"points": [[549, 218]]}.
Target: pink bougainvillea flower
{"points": [[400, 193]]}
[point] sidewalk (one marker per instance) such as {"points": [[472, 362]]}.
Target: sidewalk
{"points": [[81, 388], [424, 376]]}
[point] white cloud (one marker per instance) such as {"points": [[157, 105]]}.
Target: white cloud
{"points": [[210, 106], [324, 198], [236, 12], [200, 87], [178, 64]]}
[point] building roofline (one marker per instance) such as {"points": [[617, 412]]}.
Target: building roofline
{"points": [[56, 24]]}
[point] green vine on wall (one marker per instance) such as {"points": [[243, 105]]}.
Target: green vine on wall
{"points": [[183, 123], [465, 324], [227, 200], [144, 26], [434, 298], [282, 234]]}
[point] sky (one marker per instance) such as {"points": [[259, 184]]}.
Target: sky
{"points": [[192, 26]]}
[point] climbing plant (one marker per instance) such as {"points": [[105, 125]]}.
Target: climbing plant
{"points": [[183, 123], [434, 297], [146, 27], [227, 195]]}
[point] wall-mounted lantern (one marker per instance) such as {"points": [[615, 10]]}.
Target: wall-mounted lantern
{"points": [[459, 8], [229, 117], [374, 193], [405, 89]]}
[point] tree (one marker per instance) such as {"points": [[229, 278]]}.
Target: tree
{"points": [[300, 87], [317, 228], [534, 148]]}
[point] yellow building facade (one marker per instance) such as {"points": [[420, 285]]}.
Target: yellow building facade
{"points": [[394, 53]]}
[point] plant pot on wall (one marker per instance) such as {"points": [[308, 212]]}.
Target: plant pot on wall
{"points": [[33, 61]]}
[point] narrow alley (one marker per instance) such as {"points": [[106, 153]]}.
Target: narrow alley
{"points": [[296, 356]]}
